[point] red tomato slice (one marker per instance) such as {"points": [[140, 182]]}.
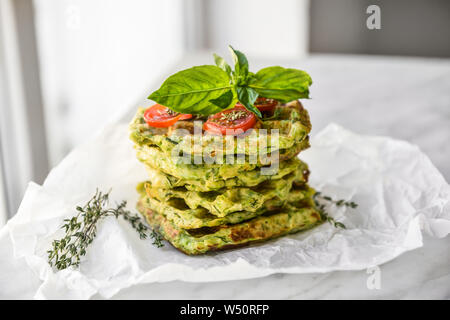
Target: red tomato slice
{"points": [[185, 116], [264, 104], [232, 121], [162, 117]]}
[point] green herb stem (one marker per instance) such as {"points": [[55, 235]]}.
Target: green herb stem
{"points": [[81, 230], [339, 203]]}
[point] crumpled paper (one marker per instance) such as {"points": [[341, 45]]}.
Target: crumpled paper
{"points": [[399, 191]]}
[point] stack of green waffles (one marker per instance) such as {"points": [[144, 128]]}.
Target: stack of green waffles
{"points": [[240, 197]]}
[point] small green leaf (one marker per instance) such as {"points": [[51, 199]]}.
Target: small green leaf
{"points": [[240, 66], [222, 64], [225, 100], [247, 96], [191, 90], [339, 225], [281, 84]]}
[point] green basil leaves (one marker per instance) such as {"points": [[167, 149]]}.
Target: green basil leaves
{"points": [[198, 90], [210, 89], [240, 74], [247, 96], [222, 64], [281, 84]]}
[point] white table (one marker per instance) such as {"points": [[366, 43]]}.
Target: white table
{"points": [[405, 98]]}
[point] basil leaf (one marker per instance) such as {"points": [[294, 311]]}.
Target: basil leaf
{"points": [[211, 89], [240, 66], [281, 84], [225, 100], [191, 90], [222, 64], [247, 96]]}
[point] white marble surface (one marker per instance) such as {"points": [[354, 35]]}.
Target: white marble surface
{"points": [[405, 98], [418, 274]]}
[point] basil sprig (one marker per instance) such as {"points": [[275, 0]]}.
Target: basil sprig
{"points": [[210, 89]]}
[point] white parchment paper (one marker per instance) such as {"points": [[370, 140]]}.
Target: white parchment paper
{"points": [[399, 191]]}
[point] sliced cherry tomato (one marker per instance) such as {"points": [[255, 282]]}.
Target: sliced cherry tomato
{"points": [[232, 121], [185, 116], [264, 104], [161, 117]]}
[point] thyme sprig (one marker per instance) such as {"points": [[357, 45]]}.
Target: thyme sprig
{"points": [[82, 228], [339, 203]]}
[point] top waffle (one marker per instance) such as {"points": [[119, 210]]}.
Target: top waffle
{"points": [[285, 130]]}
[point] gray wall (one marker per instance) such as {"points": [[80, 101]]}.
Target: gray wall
{"points": [[408, 27]]}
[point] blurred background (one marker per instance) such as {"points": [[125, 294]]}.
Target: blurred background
{"points": [[67, 67]]}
